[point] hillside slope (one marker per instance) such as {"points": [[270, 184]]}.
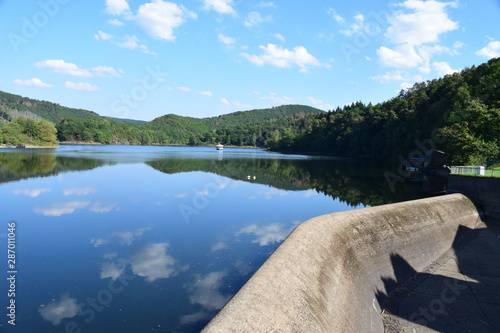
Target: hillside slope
{"points": [[14, 106], [459, 114], [242, 127]]}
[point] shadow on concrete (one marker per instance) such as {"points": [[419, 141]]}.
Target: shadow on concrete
{"points": [[460, 292]]}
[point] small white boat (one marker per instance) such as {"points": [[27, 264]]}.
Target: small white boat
{"points": [[219, 147]]}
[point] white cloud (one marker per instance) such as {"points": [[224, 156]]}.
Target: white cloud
{"points": [[56, 311], [220, 6], [277, 100], [320, 104], [272, 192], [127, 237], [492, 50], [283, 58], [415, 30], [79, 191], [33, 82], [62, 208], [391, 76], [96, 242], [359, 24], [117, 7], [196, 317], [443, 68], [219, 246], [425, 22], [335, 15], [205, 292], [110, 255], [267, 4], [226, 40], [185, 89], [458, 45], [101, 35], [279, 37], [242, 106], [160, 18], [403, 56], [426, 52], [266, 235], [115, 22], [206, 93], [85, 86], [31, 192], [62, 67], [132, 42], [152, 262], [310, 193], [106, 71], [112, 270], [224, 101], [405, 85], [255, 18], [102, 208]]}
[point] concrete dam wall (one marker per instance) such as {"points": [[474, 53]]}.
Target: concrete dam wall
{"points": [[325, 277], [483, 191]]}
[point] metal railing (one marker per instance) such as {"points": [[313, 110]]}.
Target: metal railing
{"points": [[474, 170]]}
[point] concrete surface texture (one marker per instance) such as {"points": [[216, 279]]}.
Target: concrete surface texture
{"points": [[483, 191], [457, 293], [334, 271]]}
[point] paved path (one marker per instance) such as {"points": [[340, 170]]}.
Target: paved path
{"points": [[458, 293]]}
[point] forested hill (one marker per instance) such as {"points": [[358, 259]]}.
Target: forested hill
{"points": [[242, 128], [255, 116], [252, 128], [458, 114], [14, 106]]}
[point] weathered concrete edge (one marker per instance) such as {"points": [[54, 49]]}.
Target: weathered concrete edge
{"points": [[324, 276], [483, 191]]}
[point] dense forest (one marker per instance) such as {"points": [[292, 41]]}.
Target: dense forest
{"points": [[29, 131], [458, 114], [14, 106], [243, 128]]}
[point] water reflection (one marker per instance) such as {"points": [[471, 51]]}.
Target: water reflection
{"points": [[268, 234], [152, 262], [15, 165], [205, 292], [355, 182], [161, 239], [57, 310]]}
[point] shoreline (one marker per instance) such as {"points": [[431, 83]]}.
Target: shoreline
{"points": [[27, 147], [11, 146]]}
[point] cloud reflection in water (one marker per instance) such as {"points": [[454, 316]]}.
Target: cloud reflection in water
{"points": [[205, 292], [152, 262], [56, 311]]}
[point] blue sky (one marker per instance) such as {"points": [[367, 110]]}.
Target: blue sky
{"points": [[201, 58]]}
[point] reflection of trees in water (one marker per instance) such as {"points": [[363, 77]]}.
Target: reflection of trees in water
{"points": [[355, 182], [27, 164], [15, 166]]}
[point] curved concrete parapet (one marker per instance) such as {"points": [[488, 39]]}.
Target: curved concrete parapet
{"points": [[325, 275]]}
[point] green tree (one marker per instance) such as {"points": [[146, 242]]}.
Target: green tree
{"points": [[13, 133], [47, 132], [29, 127]]}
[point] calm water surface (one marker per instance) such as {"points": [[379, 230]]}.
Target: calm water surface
{"points": [[158, 239]]}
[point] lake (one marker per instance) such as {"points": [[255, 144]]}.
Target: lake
{"points": [[157, 239]]}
